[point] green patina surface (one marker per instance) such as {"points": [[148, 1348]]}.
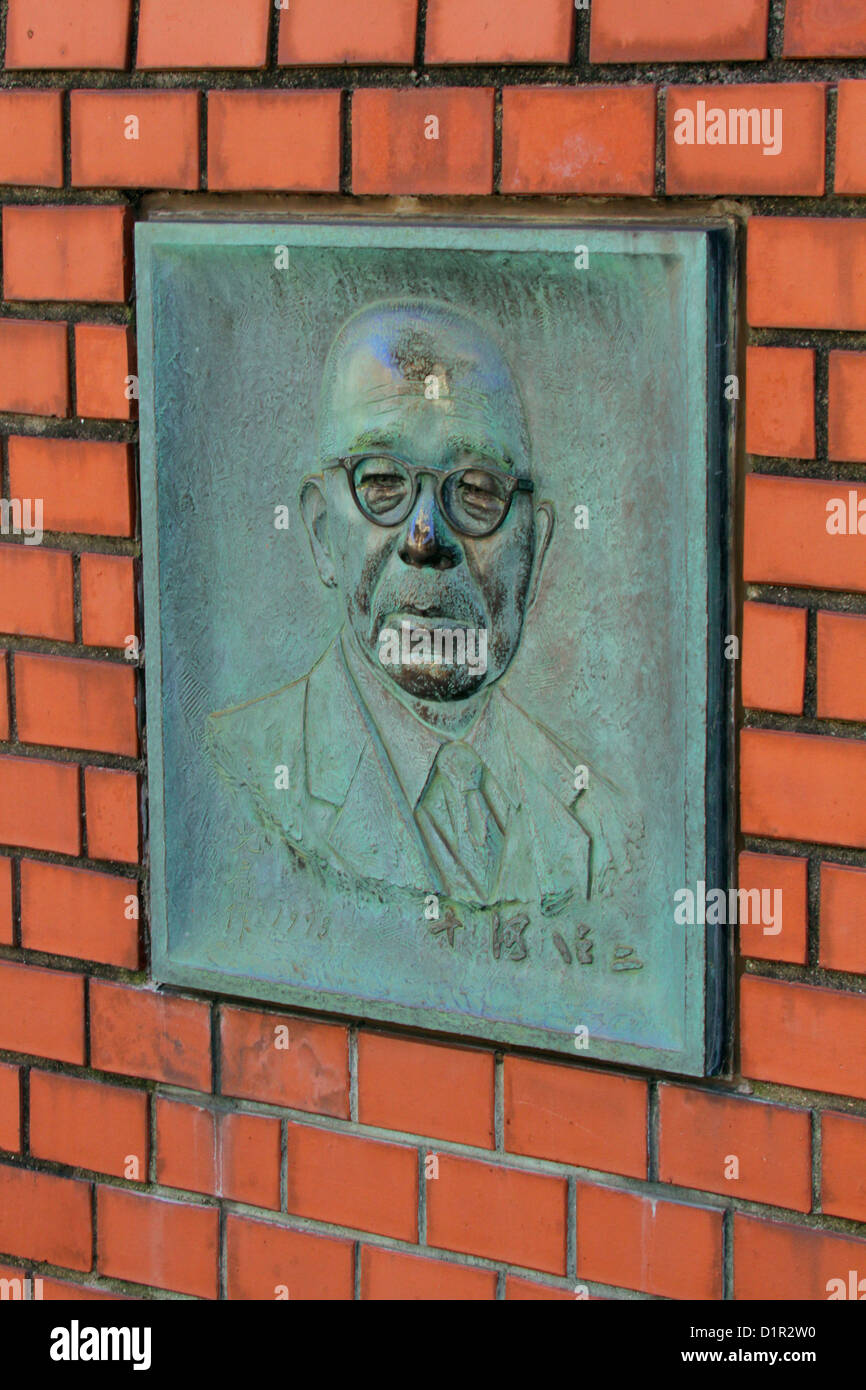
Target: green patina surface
{"points": [[434, 550]]}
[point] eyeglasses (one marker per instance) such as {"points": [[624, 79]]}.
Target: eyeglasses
{"points": [[475, 500]]}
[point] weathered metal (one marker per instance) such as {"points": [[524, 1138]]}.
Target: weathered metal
{"points": [[434, 543]]}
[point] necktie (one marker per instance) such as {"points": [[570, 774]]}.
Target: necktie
{"points": [[462, 828]]}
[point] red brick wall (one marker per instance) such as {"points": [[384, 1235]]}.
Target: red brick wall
{"points": [[153, 1140]]}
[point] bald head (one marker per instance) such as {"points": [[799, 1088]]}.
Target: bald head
{"points": [[401, 372]]}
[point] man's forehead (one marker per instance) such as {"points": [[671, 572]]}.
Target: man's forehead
{"points": [[397, 368], [405, 363]]}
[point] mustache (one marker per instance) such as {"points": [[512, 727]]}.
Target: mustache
{"points": [[428, 595]]}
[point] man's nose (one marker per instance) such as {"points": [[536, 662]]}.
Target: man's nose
{"points": [[427, 539]]}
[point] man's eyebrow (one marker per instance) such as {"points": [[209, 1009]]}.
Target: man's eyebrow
{"points": [[373, 439], [391, 441], [485, 449]]}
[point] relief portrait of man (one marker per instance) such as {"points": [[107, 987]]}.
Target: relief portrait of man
{"points": [[400, 759]]}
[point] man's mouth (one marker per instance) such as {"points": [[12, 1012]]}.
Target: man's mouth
{"points": [[434, 643], [424, 610], [426, 617], [445, 608]]}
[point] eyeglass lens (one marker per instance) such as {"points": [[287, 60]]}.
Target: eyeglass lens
{"points": [[474, 499]]}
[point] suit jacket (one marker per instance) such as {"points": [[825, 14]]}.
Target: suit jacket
{"points": [[309, 763]]}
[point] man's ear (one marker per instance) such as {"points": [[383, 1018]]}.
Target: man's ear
{"points": [[314, 510], [544, 519]]}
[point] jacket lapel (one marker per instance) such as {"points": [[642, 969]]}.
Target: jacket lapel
{"points": [[373, 831], [544, 778]]}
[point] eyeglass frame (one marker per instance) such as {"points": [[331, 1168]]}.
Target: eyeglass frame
{"points": [[416, 471]]}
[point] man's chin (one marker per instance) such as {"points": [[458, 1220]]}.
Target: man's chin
{"points": [[432, 656], [435, 681]]}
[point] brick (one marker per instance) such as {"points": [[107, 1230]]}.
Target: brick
{"points": [[774, 657], [702, 1132], [274, 140], [843, 1165], [76, 704], [499, 1213], [203, 33], [10, 1107], [443, 1092], [773, 873], [786, 537], [643, 1243], [87, 1124], [389, 1275], [267, 1262], [814, 29], [782, 152], [850, 155], [392, 154], [346, 32], [77, 34], [780, 402], [802, 1035], [164, 152], [148, 1240], [31, 141], [6, 936], [65, 253], [186, 1146], [841, 662], [39, 805], [806, 272], [251, 1159], [843, 919], [349, 1181], [583, 140], [45, 1218], [802, 787], [499, 31], [76, 912], [231, 1155], [847, 406], [531, 1291], [111, 802], [311, 1073], [104, 361], [623, 31], [85, 486], [138, 1032], [774, 1261], [584, 1118], [36, 591], [34, 376], [41, 1013], [107, 600]]}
